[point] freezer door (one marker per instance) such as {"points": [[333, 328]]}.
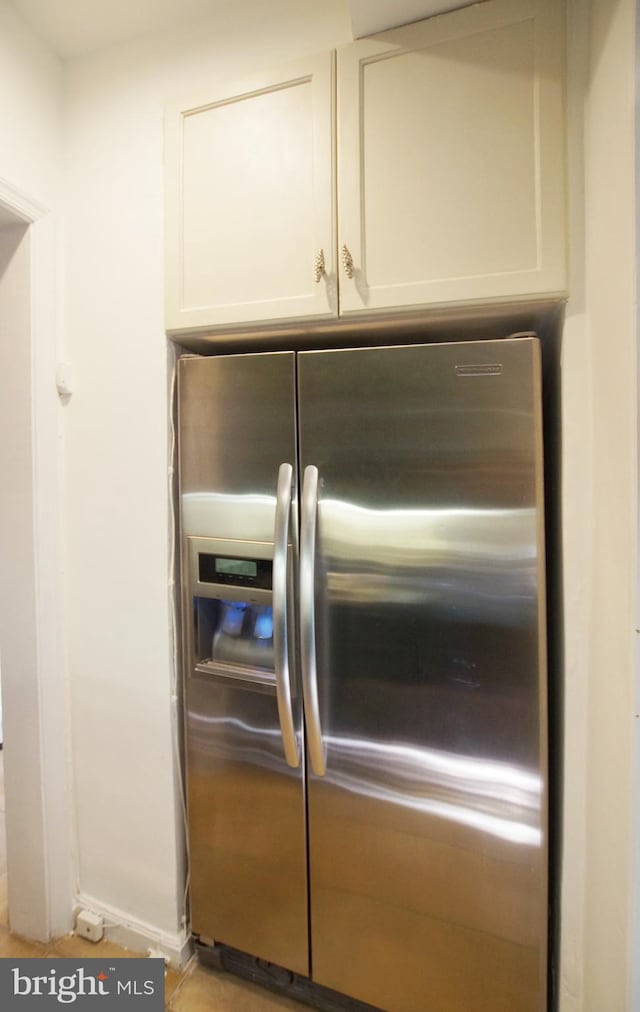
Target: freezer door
{"points": [[246, 796], [427, 807]]}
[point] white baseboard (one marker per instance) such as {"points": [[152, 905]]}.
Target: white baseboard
{"points": [[138, 936]]}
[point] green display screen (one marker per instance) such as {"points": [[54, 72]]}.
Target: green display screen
{"points": [[236, 567]]}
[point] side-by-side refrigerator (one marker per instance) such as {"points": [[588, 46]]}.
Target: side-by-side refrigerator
{"points": [[365, 668]]}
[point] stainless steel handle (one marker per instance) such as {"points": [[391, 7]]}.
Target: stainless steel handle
{"points": [[280, 630], [347, 262], [307, 619], [318, 266]]}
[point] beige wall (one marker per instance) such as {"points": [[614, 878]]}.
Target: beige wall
{"points": [[610, 271], [599, 490]]}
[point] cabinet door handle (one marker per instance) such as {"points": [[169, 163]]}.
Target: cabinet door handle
{"points": [[318, 265], [347, 262]]}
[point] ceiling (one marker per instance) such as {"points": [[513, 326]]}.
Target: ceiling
{"points": [[370, 16], [76, 27]]}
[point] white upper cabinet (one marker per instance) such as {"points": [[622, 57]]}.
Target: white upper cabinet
{"points": [[250, 201], [450, 177], [451, 159]]}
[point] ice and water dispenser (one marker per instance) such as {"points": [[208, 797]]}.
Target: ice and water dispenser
{"points": [[230, 587]]}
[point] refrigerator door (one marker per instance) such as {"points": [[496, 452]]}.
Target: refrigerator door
{"points": [[246, 797], [428, 798]]}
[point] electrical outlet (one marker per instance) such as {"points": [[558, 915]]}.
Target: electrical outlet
{"points": [[155, 953], [89, 925]]}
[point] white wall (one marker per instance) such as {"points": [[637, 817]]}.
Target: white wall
{"points": [[600, 450], [30, 110], [116, 436], [635, 935], [36, 780], [577, 500], [610, 270]]}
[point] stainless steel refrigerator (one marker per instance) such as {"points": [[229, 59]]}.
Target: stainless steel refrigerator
{"points": [[365, 668]]}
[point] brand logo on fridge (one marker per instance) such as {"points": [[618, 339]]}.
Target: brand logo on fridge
{"points": [[66, 988], [485, 369]]}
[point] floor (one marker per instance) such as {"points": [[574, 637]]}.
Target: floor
{"points": [[195, 989]]}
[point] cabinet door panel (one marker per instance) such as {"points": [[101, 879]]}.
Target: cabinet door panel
{"points": [[250, 201], [451, 172]]}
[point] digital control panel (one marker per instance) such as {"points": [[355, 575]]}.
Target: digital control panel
{"points": [[234, 572]]}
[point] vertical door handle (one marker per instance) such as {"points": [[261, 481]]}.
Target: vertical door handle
{"points": [[280, 581], [307, 619]]}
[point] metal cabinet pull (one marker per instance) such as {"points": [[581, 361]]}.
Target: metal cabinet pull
{"points": [[280, 630], [319, 266], [347, 262], [307, 619]]}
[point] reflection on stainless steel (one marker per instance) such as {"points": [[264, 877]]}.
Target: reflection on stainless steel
{"points": [[236, 425], [476, 559], [497, 798], [216, 514], [246, 825], [231, 738]]}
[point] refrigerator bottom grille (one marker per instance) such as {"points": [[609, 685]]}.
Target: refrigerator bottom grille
{"points": [[278, 979]]}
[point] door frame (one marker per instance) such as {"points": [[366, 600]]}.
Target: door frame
{"points": [[37, 785]]}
